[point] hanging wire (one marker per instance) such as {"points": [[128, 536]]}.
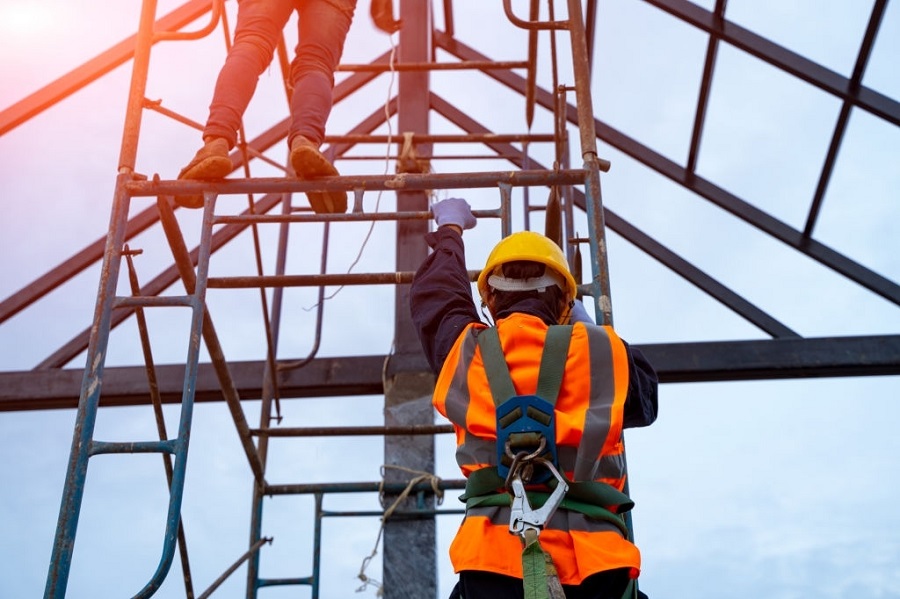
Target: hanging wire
{"points": [[387, 159]]}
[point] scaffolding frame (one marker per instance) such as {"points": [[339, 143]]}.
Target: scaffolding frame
{"points": [[193, 270], [823, 357]]}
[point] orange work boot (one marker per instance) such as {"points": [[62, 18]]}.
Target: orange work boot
{"points": [[210, 163], [309, 163]]}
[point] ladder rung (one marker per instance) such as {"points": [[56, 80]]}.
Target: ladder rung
{"points": [[153, 301], [362, 138], [347, 217], [435, 66], [98, 447], [396, 514], [360, 487], [338, 431], [272, 582], [370, 183], [347, 279]]}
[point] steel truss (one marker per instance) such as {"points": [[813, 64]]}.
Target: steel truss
{"points": [[785, 354]]}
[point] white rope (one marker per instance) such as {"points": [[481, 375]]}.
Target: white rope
{"points": [[420, 477]]}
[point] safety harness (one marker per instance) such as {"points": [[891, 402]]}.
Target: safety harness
{"points": [[526, 438]]}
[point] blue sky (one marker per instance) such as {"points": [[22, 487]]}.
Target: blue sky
{"points": [[785, 489]]}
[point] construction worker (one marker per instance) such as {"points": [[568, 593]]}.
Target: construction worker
{"points": [[606, 386], [322, 27]]}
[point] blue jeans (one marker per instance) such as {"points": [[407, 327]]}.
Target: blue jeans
{"points": [[322, 27]]}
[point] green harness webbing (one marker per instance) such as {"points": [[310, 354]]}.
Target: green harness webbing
{"points": [[525, 422], [595, 500], [550, 375], [539, 577]]}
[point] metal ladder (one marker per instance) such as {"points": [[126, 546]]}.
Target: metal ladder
{"points": [[196, 280]]}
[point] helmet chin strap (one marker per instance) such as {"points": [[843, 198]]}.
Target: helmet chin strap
{"points": [[567, 313], [486, 315]]}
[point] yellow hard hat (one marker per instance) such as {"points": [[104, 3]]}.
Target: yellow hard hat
{"points": [[531, 246]]}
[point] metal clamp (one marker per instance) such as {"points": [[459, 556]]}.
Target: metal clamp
{"points": [[522, 518]]}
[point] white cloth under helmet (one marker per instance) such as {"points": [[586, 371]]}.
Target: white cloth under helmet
{"points": [[549, 278]]}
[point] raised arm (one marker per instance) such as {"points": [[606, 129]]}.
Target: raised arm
{"points": [[440, 297]]}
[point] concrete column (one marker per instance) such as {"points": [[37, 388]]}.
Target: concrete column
{"points": [[409, 544]]}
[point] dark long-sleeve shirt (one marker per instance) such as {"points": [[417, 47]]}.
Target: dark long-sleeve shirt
{"points": [[441, 304]]}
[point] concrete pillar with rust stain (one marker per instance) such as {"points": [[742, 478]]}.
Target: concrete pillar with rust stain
{"points": [[410, 553]]}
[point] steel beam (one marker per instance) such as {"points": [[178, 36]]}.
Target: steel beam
{"points": [[700, 362], [780, 57], [635, 236], [92, 254], [729, 202], [94, 68]]}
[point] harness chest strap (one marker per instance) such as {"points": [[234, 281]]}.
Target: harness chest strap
{"points": [[594, 499], [550, 375], [525, 422], [599, 501]]}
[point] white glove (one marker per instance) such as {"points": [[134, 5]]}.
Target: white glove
{"points": [[454, 211]]}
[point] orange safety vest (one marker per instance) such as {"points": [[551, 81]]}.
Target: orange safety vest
{"points": [[588, 414]]}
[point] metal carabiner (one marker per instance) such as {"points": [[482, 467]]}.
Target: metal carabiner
{"points": [[522, 517], [522, 462]]}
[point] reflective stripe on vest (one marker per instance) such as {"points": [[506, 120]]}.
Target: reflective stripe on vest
{"points": [[563, 520]]}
